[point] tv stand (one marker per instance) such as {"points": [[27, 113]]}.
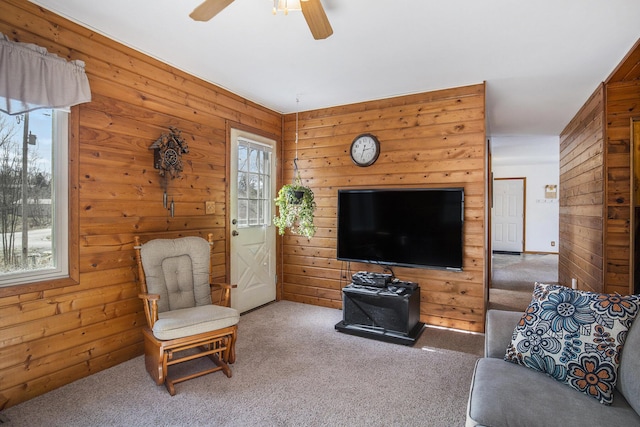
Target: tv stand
{"points": [[390, 314]]}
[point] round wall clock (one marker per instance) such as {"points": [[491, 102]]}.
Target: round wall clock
{"points": [[365, 149]]}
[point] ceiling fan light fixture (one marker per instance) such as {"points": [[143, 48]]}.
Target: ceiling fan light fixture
{"points": [[312, 11], [285, 6]]}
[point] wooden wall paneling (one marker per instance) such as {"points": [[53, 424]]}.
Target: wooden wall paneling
{"points": [[50, 338], [118, 64], [434, 139], [581, 196], [622, 101], [97, 324], [635, 207], [595, 170], [629, 68], [623, 96]]}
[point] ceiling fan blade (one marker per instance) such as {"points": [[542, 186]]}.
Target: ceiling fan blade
{"points": [[316, 19], [208, 9]]}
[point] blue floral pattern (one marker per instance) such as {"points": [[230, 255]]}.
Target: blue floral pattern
{"points": [[537, 340], [575, 337], [567, 311]]}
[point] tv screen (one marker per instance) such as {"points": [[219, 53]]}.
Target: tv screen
{"points": [[403, 227]]}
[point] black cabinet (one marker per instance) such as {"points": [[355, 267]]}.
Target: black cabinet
{"points": [[387, 314]]}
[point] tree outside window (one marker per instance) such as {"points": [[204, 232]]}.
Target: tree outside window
{"points": [[27, 205]]}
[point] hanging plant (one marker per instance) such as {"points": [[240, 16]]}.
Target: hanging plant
{"points": [[296, 208], [296, 204]]}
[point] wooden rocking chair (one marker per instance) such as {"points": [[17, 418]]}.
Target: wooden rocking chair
{"points": [[183, 324]]}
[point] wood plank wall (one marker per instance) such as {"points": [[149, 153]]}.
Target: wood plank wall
{"points": [[434, 139], [596, 247], [53, 337], [622, 105], [580, 251]]}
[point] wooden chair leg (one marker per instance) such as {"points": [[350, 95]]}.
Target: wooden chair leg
{"points": [[224, 367], [153, 359], [230, 354], [160, 355]]}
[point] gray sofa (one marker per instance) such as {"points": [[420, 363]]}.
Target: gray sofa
{"points": [[507, 394]]}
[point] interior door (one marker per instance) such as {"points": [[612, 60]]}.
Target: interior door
{"points": [[508, 215], [253, 236]]}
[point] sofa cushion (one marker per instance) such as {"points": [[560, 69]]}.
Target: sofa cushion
{"points": [[575, 337], [506, 394], [629, 370], [499, 331]]}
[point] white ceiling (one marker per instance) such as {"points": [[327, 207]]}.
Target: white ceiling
{"points": [[541, 59]]}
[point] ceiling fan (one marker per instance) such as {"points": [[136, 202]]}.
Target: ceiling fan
{"points": [[311, 9]]}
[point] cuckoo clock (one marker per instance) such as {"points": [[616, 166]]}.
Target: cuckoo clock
{"points": [[168, 151]]}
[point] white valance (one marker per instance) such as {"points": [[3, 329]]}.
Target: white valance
{"points": [[32, 78]]}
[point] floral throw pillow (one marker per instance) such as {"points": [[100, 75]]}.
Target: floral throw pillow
{"points": [[575, 337]]}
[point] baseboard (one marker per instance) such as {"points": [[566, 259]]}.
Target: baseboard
{"points": [[525, 252]]}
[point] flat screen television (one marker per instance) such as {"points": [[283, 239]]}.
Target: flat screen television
{"points": [[415, 227]]}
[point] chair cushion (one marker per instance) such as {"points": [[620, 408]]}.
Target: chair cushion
{"points": [[195, 320], [575, 337], [177, 270]]}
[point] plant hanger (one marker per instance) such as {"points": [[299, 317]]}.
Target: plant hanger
{"points": [[297, 180], [295, 202]]}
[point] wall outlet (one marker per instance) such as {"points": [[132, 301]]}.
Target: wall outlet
{"points": [[574, 283], [553, 243], [209, 208]]}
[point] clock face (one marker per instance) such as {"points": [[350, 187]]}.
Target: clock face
{"points": [[365, 150], [170, 156]]}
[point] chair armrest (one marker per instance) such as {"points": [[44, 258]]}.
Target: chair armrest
{"points": [[225, 295], [498, 331], [149, 297], [223, 285], [150, 307]]}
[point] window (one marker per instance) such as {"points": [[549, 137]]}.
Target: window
{"points": [[254, 183], [34, 197]]}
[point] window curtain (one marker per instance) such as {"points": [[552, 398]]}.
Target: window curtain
{"points": [[32, 78]]}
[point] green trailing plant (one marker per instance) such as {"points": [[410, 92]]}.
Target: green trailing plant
{"points": [[296, 209]]}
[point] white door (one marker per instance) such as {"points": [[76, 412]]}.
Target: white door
{"points": [[253, 236], [508, 215]]}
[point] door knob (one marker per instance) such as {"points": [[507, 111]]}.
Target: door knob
{"points": [[234, 233]]}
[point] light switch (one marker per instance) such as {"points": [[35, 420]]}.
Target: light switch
{"points": [[209, 208]]}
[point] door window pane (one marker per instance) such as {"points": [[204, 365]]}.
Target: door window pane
{"points": [[254, 191]]}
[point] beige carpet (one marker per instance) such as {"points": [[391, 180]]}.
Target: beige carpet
{"points": [[514, 276], [292, 369]]}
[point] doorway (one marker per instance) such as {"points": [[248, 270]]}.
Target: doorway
{"points": [[253, 235], [508, 215]]}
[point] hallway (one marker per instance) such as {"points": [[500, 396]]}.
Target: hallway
{"points": [[513, 278]]}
